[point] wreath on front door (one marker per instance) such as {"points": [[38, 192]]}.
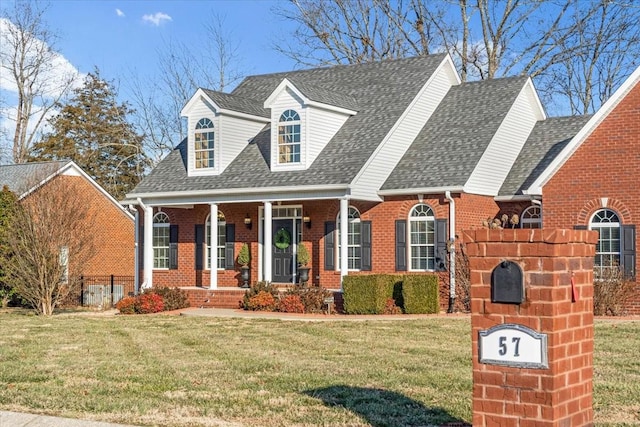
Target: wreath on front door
{"points": [[282, 239]]}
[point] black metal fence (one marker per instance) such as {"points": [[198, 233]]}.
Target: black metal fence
{"points": [[105, 291]]}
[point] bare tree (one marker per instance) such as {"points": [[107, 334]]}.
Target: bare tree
{"points": [[48, 242], [30, 62], [570, 47], [181, 70]]}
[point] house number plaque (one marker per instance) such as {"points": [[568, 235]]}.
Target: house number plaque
{"points": [[513, 345]]}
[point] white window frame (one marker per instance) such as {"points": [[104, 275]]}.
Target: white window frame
{"points": [[204, 132], [607, 222], [288, 123], [531, 217], [161, 224], [353, 219], [222, 238], [419, 216]]}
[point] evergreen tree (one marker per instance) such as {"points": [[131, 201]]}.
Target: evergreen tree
{"points": [[8, 205], [93, 131]]}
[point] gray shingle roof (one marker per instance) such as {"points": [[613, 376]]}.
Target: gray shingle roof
{"points": [[21, 178], [383, 91], [237, 103], [545, 142], [450, 145], [324, 96]]}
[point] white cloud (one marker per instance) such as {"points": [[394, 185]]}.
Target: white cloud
{"points": [[157, 18], [119, 12]]}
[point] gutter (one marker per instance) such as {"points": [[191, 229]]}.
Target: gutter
{"points": [[424, 190], [136, 249], [452, 251]]}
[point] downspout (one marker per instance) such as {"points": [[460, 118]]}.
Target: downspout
{"points": [[136, 250], [452, 251]]}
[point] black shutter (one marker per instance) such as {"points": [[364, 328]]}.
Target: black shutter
{"points": [[441, 245], [199, 232], [580, 227], [401, 245], [229, 247], [365, 231], [173, 247], [628, 245], [329, 245]]}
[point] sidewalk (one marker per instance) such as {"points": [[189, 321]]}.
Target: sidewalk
{"points": [[16, 419]]}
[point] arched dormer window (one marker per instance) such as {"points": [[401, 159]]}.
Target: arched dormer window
{"points": [[607, 224], [531, 217], [289, 137], [161, 240], [204, 144], [354, 238], [220, 244], [422, 246]]}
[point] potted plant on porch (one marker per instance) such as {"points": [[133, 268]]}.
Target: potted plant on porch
{"points": [[303, 260], [244, 258]]}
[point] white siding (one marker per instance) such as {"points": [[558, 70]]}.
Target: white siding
{"points": [[322, 126], [404, 132], [233, 136], [497, 160]]}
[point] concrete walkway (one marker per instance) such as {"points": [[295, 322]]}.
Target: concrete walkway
{"points": [[17, 419], [245, 314]]}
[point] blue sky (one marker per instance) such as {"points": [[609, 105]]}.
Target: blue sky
{"points": [[122, 35]]}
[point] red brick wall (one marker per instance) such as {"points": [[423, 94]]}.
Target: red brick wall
{"points": [[113, 230], [470, 211], [606, 165], [560, 395]]}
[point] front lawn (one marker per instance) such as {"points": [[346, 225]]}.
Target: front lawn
{"points": [[191, 371]]}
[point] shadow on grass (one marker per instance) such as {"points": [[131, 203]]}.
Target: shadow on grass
{"points": [[384, 408]]}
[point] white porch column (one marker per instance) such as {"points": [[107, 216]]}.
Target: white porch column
{"points": [[268, 243], [148, 248], [213, 243], [344, 238]]}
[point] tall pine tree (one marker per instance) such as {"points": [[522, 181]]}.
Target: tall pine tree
{"points": [[93, 131]]}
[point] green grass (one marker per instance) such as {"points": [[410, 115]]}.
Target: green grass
{"points": [[190, 371]]}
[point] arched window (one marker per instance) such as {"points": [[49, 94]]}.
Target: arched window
{"points": [[607, 224], [222, 241], [422, 251], [354, 238], [289, 137], [204, 144], [161, 240], [531, 217]]}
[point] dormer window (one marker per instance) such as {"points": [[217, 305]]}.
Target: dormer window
{"points": [[204, 144], [289, 138]]}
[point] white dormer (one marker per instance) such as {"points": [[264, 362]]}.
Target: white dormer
{"points": [[304, 119], [219, 127]]}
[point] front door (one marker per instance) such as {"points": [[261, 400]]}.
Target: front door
{"points": [[283, 243]]}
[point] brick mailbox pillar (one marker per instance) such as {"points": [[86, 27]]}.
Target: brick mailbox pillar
{"points": [[532, 326]]}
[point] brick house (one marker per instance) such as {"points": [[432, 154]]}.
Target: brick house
{"points": [[592, 183], [113, 224], [375, 168]]}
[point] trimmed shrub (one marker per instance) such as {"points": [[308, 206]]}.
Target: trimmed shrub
{"points": [[263, 301], [291, 304], [312, 297], [369, 294], [127, 305], [420, 293], [149, 302], [174, 298], [365, 294], [255, 289]]}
